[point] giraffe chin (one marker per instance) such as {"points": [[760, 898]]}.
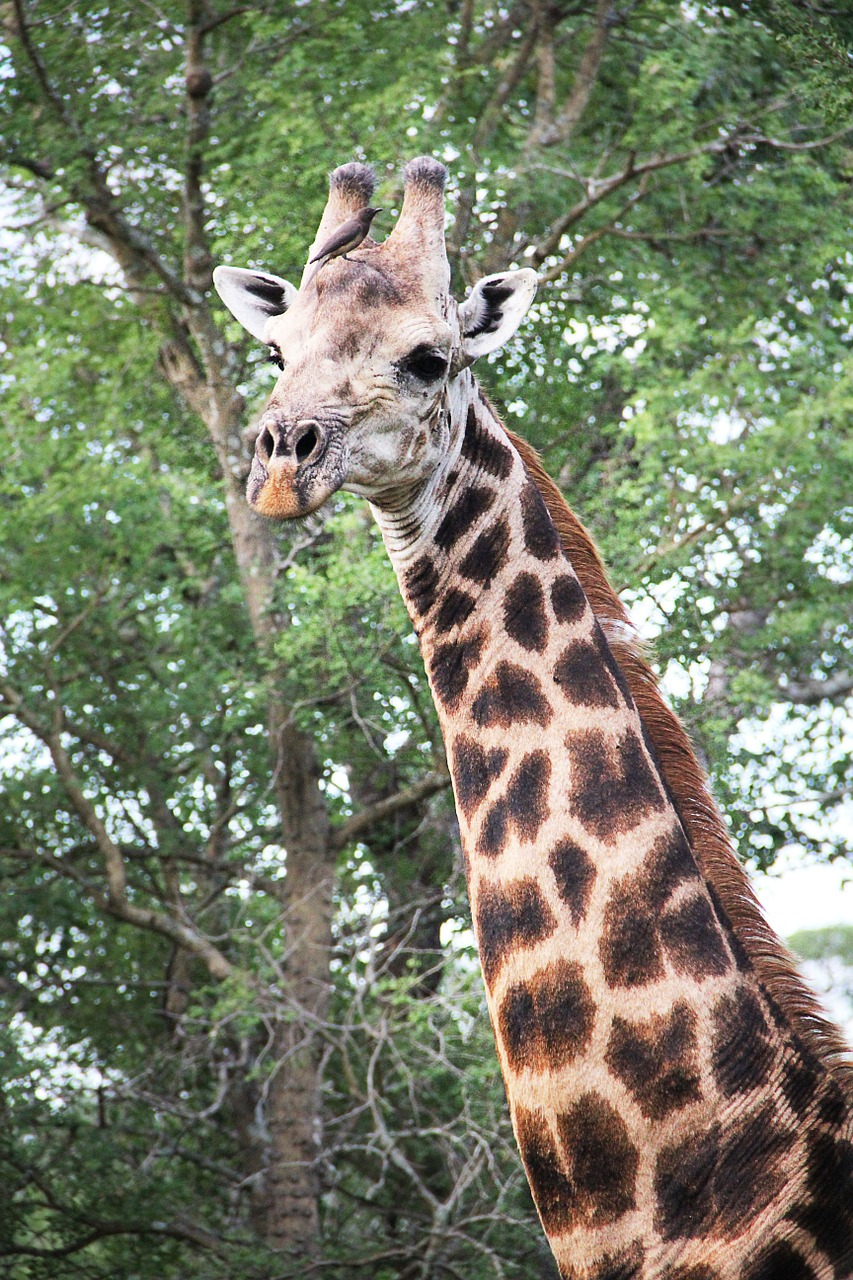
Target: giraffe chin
{"points": [[279, 493]]}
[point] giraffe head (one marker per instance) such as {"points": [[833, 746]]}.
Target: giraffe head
{"points": [[368, 346]]}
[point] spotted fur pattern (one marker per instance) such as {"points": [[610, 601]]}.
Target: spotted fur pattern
{"points": [[673, 1122]]}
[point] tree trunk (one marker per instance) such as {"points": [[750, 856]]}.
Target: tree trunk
{"points": [[294, 1104], [287, 1197]]}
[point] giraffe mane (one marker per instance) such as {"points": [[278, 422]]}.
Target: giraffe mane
{"points": [[687, 784]]}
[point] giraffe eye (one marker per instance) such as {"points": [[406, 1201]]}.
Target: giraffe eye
{"points": [[424, 363], [274, 357]]}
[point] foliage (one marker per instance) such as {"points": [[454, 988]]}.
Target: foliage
{"points": [[820, 944]]}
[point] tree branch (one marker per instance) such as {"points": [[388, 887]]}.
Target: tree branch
{"points": [[211, 24], [198, 262], [174, 1230], [115, 900], [546, 132], [608, 228], [133, 250], [382, 809], [485, 127], [598, 189], [808, 693], [490, 114]]}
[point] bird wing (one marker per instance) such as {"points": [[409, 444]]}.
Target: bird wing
{"points": [[339, 240]]}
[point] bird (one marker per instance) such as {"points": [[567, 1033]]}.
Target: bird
{"points": [[346, 237]]}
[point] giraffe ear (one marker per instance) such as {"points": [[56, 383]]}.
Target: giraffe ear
{"points": [[253, 297], [493, 310]]}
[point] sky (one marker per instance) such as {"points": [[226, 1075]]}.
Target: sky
{"points": [[798, 895]]}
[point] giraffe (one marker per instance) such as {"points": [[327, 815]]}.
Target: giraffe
{"points": [[682, 1107]]}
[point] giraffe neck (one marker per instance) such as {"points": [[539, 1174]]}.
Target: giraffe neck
{"points": [[670, 1122]]}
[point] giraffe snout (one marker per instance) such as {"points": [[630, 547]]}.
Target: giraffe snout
{"points": [[299, 462], [292, 442]]}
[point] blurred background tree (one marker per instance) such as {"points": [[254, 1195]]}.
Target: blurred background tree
{"points": [[244, 1028]]}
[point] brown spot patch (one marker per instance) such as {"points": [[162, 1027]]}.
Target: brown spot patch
{"points": [[584, 676], [511, 696], [829, 1216], [683, 1187], [601, 1161], [780, 1262], [636, 937], [472, 503], [450, 667], [720, 1182], [456, 608], [694, 940], [574, 873], [625, 1266], [484, 450], [523, 807], [800, 1080], [552, 1190], [509, 916], [524, 613], [546, 1022], [670, 864], [609, 658], [657, 1060], [567, 598], [833, 1106], [527, 794], [494, 831], [742, 1055], [420, 584], [474, 771], [488, 555], [611, 791], [630, 948], [750, 1170], [540, 536]]}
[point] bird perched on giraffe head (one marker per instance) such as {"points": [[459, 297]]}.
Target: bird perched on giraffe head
{"points": [[346, 237]]}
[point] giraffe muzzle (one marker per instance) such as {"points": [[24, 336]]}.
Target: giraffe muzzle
{"points": [[296, 444], [298, 464]]}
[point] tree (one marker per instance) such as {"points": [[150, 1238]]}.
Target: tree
{"points": [[225, 822]]}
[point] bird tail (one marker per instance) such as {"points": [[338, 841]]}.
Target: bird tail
{"points": [[321, 261]]}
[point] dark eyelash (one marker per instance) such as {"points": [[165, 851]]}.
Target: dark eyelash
{"points": [[274, 358], [425, 364]]}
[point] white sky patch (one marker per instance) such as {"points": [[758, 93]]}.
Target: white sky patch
{"points": [[29, 237], [832, 979], [805, 896], [396, 740], [831, 554], [610, 334], [813, 896], [53, 1074]]}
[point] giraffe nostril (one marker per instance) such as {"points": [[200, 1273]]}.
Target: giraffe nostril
{"points": [[306, 444], [266, 444]]}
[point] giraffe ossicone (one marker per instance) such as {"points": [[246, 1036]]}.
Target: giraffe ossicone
{"points": [[683, 1109]]}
